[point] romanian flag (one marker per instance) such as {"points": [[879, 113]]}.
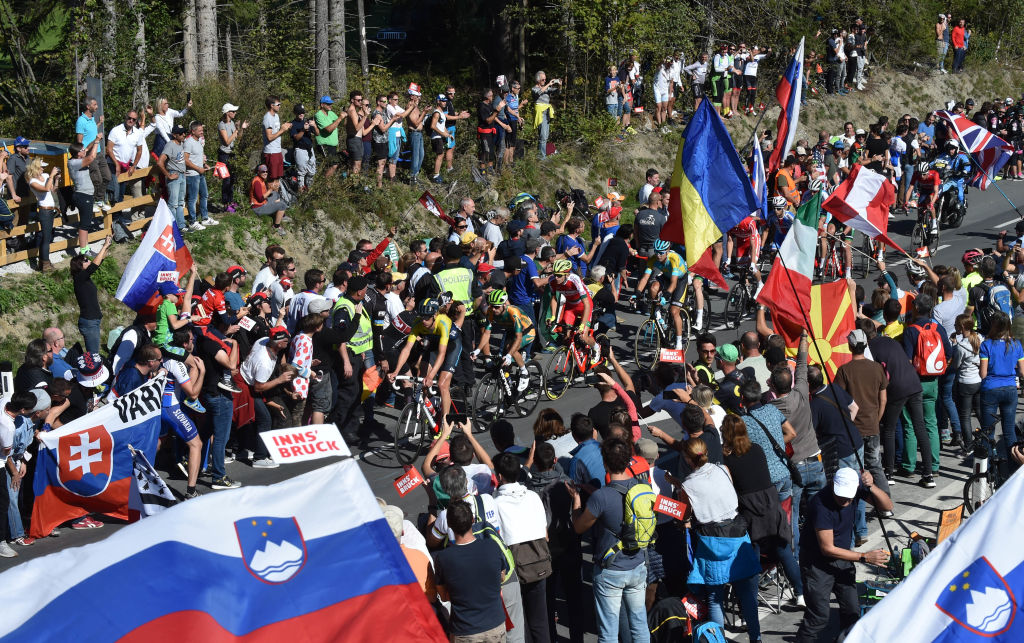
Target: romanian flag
{"points": [[711, 191], [831, 318]]}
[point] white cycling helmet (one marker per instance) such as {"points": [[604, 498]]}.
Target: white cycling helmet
{"points": [[916, 271], [816, 185], [779, 202], [923, 167]]}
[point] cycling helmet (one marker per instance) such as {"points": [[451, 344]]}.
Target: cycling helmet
{"points": [[427, 308], [562, 267], [923, 167], [916, 271], [814, 186], [660, 245], [497, 297], [972, 257], [779, 201]]}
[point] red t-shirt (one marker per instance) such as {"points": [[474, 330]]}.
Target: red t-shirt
{"points": [[257, 192]]}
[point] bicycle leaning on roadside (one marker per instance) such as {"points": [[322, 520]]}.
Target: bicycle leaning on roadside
{"points": [[988, 475]]}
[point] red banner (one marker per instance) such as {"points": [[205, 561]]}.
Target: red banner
{"points": [[428, 201], [408, 481], [670, 507]]}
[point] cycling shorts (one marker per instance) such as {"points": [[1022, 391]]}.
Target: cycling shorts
{"points": [[172, 418], [677, 295], [571, 315], [453, 353]]}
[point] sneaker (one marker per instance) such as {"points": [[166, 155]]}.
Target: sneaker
{"points": [[96, 208], [194, 405], [798, 601], [209, 221], [193, 494], [279, 231], [524, 383], [6, 551], [286, 219], [886, 514], [24, 541], [226, 384], [196, 227], [228, 458], [86, 523], [264, 463], [105, 207], [225, 483], [928, 482], [437, 178]]}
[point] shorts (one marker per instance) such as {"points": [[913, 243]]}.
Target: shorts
{"points": [[660, 95], [275, 165], [750, 83], [677, 295], [453, 353], [719, 85], [485, 144], [329, 154], [573, 314], [379, 151], [614, 109], [84, 204], [512, 136], [172, 418], [438, 144], [697, 89], [319, 399]]}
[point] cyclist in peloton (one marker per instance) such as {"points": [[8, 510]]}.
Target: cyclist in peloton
{"points": [[579, 306], [441, 337], [927, 181], [521, 330], [780, 219], [670, 275], [745, 239]]}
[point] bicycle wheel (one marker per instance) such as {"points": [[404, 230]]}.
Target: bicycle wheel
{"points": [[461, 406], [410, 435], [489, 400], [559, 373], [977, 490], [918, 236], [526, 401], [735, 306], [647, 345]]}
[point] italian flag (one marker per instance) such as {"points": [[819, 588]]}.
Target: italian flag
{"points": [[787, 290]]}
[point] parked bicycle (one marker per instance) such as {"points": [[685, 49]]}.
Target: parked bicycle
{"points": [[418, 424], [500, 394], [987, 476]]}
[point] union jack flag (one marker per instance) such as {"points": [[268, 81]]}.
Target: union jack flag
{"points": [[989, 152]]}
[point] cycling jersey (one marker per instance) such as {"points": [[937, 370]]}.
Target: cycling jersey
{"points": [[673, 265], [573, 289], [437, 335], [928, 183], [748, 239], [512, 317], [177, 374]]}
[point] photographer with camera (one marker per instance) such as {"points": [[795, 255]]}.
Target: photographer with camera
{"points": [[543, 110], [303, 130]]}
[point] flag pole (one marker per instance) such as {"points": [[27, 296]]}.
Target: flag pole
{"points": [[828, 380], [992, 180]]}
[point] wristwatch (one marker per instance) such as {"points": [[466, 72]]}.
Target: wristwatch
{"points": [[863, 559]]}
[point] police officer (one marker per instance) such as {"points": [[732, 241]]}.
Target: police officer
{"points": [[351, 318], [463, 287]]}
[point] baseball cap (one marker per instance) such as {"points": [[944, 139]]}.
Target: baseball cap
{"points": [[169, 288], [21, 141], [355, 256], [857, 338], [326, 100], [728, 353], [395, 518], [839, 145], [801, 150], [860, 132], [498, 279], [414, 90], [515, 224], [256, 297], [615, 196], [228, 107], [278, 333], [647, 448], [357, 283], [261, 168], [467, 238], [483, 267], [90, 370], [318, 305], [178, 129], [42, 399], [970, 102], [235, 270], [548, 227], [845, 483], [441, 98], [299, 109]]}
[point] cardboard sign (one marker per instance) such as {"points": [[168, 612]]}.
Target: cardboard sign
{"points": [[246, 323], [949, 521], [672, 355], [167, 275], [670, 507], [408, 481], [303, 443]]}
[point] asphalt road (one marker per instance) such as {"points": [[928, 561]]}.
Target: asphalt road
{"points": [[916, 507]]}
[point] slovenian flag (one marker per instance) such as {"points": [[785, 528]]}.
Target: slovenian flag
{"points": [[711, 191], [789, 94], [308, 559], [787, 290], [758, 179], [162, 251]]}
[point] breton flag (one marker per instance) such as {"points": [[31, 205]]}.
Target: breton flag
{"points": [[968, 589], [989, 152], [711, 191], [831, 314], [162, 250], [862, 202], [428, 201], [787, 290], [757, 177], [308, 559], [86, 467], [789, 94], [149, 495]]}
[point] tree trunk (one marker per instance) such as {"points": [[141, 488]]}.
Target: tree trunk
{"points": [[190, 44], [321, 49], [364, 60], [206, 19], [109, 31], [230, 57], [140, 79], [339, 68], [521, 43]]}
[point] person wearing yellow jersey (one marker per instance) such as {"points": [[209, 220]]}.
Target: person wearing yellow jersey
{"points": [[522, 332], [442, 335]]}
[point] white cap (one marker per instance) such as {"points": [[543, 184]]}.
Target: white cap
{"points": [[845, 483], [228, 107], [42, 399]]}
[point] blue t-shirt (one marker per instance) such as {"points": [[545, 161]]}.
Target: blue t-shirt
{"points": [[472, 575], [598, 229], [668, 402], [606, 505], [86, 126], [233, 300], [824, 513], [566, 242], [520, 287], [1002, 359], [128, 380], [929, 130], [772, 419]]}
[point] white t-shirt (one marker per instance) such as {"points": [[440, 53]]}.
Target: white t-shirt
{"points": [[521, 516], [298, 309], [395, 307], [271, 122], [644, 194], [263, 279], [259, 365], [392, 110], [675, 71], [126, 144], [38, 185], [145, 158], [441, 530], [332, 293], [165, 122], [7, 430]]}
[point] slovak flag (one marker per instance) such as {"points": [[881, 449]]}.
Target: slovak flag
{"points": [[989, 152], [789, 94], [162, 250], [308, 559], [757, 177], [86, 465], [969, 588]]}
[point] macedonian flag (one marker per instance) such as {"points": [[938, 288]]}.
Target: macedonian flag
{"points": [[832, 318]]}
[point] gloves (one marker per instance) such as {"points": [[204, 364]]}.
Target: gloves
{"points": [[505, 361]]}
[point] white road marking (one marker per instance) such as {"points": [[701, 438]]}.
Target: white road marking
{"points": [[1007, 224]]}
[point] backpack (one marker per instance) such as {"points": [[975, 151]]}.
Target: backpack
{"points": [[638, 520], [709, 632], [929, 354], [995, 298]]}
